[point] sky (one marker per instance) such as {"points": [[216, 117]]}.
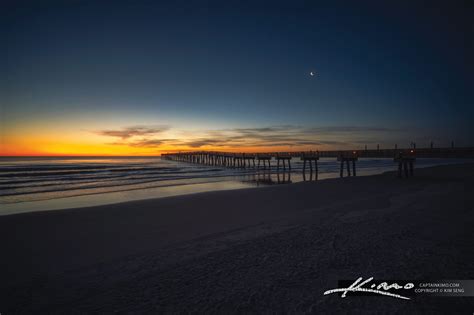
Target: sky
{"points": [[147, 77]]}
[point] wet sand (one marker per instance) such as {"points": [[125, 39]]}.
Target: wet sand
{"points": [[258, 250]]}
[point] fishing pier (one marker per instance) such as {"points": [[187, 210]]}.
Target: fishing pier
{"points": [[404, 157]]}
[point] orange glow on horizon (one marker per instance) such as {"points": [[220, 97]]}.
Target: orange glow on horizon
{"points": [[48, 147], [85, 150], [34, 138]]}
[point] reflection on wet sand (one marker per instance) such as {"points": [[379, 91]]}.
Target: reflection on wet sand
{"points": [[285, 177], [310, 178], [267, 177]]}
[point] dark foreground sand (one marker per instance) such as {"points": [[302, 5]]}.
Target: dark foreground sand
{"points": [[272, 249]]}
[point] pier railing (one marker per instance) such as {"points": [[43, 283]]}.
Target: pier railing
{"points": [[466, 152]]}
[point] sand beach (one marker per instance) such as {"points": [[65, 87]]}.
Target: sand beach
{"points": [[256, 250]]}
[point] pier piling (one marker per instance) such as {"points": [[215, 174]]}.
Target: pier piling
{"points": [[405, 162], [348, 158], [310, 158]]}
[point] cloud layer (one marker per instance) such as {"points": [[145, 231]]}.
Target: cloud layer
{"points": [[283, 136], [273, 136]]}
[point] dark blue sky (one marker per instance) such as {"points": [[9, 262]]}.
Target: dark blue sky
{"points": [[404, 66]]}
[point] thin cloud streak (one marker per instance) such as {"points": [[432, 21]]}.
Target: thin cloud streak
{"points": [[129, 132]]}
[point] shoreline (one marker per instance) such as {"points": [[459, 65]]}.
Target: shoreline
{"points": [[170, 254], [163, 191], [57, 204]]}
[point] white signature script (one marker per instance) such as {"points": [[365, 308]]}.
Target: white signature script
{"points": [[382, 288]]}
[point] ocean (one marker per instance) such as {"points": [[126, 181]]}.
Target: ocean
{"points": [[48, 183]]}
